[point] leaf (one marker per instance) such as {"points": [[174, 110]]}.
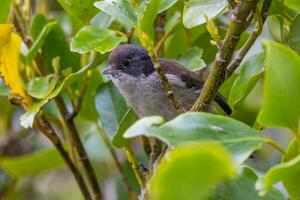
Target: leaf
{"points": [[294, 4], [90, 38], [41, 87], [39, 41], [32, 164], [288, 173], [250, 72], [195, 11], [148, 15], [191, 171], [4, 90], [281, 89], [243, 185], [4, 11], [120, 9], [10, 44], [166, 4], [277, 28], [294, 37], [192, 59], [82, 10], [111, 108], [172, 22], [128, 119], [61, 48], [28, 118], [240, 139]]}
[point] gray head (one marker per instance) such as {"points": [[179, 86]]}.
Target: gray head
{"points": [[130, 59]]}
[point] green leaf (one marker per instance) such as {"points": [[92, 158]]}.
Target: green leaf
{"points": [[41, 87], [288, 173], [250, 72], [281, 106], [192, 59], [243, 185], [148, 15], [294, 37], [120, 9], [128, 119], [172, 22], [39, 41], [195, 11], [4, 89], [166, 4], [277, 28], [4, 11], [32, 164], [55, 45], [191, 171], [294, 4], [240, 139], [28, 118], [91, 38], [83, 10], [111, 108]]}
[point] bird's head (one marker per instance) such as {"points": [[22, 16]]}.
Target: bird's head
{"points": [[129, 59]]}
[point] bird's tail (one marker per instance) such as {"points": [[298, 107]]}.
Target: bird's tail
{"points": [[221, 101]]}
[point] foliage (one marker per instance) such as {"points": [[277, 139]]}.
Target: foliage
{"points": [[53, 53]]}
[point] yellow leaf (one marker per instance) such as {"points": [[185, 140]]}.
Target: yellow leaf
{"points": [[10, 44]]}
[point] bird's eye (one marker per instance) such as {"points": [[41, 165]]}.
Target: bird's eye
{"points": [[126, 62]]}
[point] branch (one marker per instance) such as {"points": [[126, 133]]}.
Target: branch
{"points": [[217, 72], [261, 18], [44, 126]]}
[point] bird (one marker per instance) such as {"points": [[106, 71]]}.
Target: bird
{"points": [[132, 72]]}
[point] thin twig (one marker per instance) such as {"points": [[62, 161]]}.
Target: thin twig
{"points": [[117, 163], [44, 126], [278, 148], [261, 18], [218, 70], [232, 3], [135, 167]]}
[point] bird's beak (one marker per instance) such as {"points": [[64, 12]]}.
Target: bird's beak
{"points": [[111, 70]]}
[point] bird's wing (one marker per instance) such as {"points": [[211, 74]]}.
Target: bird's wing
{"points": [[190, 80]]}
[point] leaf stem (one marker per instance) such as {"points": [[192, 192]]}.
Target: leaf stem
{"points": [[276, 146], [135, 167]]}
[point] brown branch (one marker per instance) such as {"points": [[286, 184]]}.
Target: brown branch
{"points": [[261, 18], [217, 73], [83, 157], [232, 3], [44, 126]]}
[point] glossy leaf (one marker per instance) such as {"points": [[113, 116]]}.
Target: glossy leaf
{"points": [[192, 59], [294, 4], [39, 41], [294, 37], [90, 38], [243, 185], [148, 16], [28, 118], [165, 4], [172, 22], [32, 164], [191, 171], [120, 9], [278, 28], [281, 87], [111, 108], [4, 11], [250, 72], [288, 173], [128, 119], [195, 11], [82, 10], [41, 87], [240, 139]]}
